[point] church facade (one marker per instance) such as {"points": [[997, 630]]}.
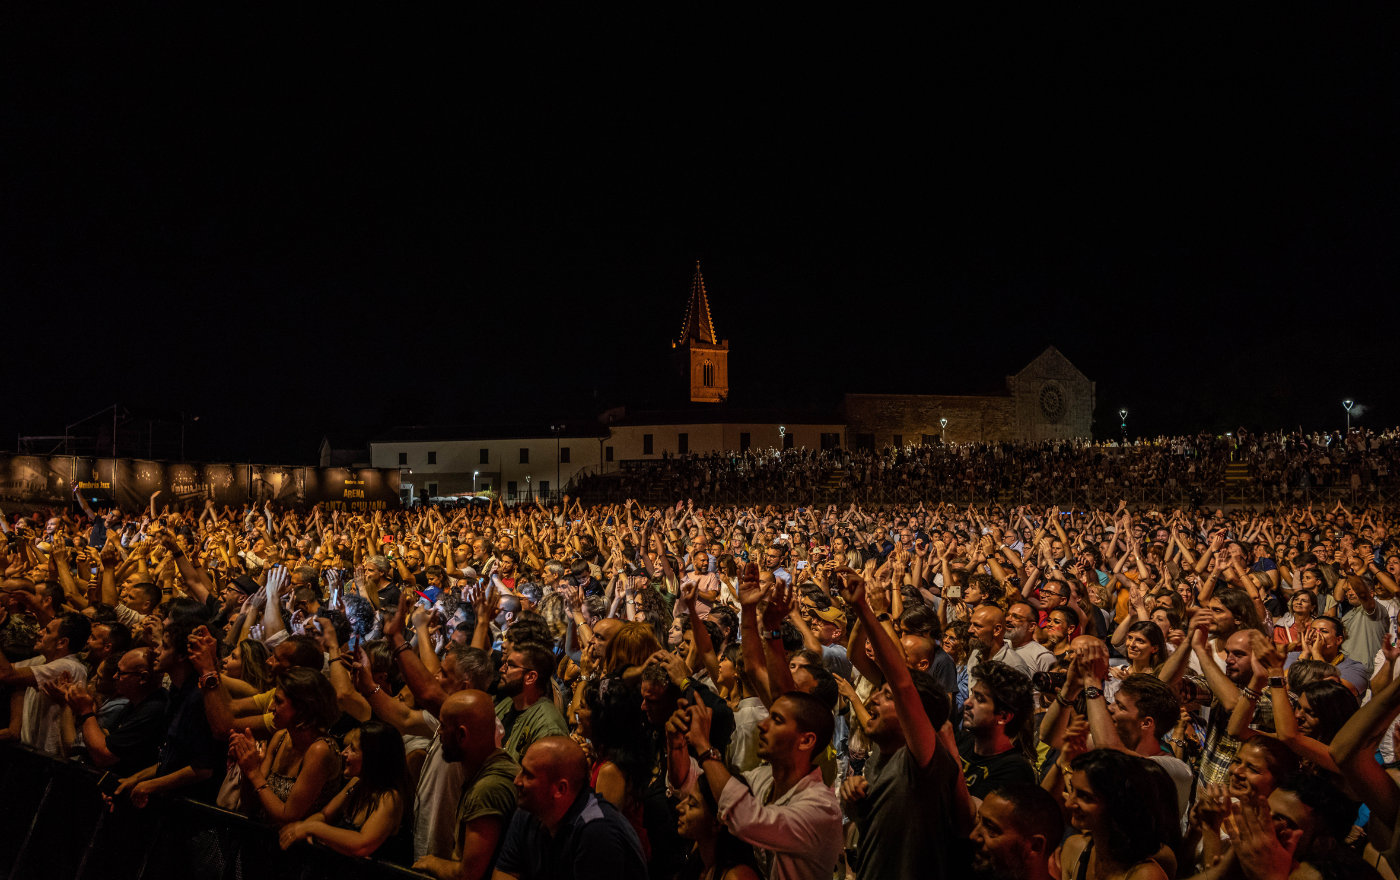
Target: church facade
{"points": [[1050, 399]]}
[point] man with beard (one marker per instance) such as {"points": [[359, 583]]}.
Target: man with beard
{"points": [[526, 708], [1020, 632], [562, 828], [1018, 827], [771, 559], [986, 637], [995, 716], [1225, 685]]}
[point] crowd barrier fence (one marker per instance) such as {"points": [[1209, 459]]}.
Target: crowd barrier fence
{"points": [[1162, 496], [54, 825]]}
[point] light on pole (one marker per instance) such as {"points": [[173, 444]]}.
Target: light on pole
{"points": [[1347, 405], [1123, 416], [943, 430], [474, 474], [558, 432]]}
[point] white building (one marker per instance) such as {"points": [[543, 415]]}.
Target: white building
{"points": [[519, 461]]}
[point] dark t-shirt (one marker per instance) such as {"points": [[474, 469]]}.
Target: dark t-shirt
{"points": [[136, 736], [946, 672], [189, 742], [985, 774], [906, 819], [594, 842]]}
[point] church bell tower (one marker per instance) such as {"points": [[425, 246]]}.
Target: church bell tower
{"points": [[704, 358]]}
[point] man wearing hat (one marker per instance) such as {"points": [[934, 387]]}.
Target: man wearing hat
{"points": [[823, 632]]}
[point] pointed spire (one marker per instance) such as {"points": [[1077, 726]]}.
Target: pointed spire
{"points": [[698, 326]]}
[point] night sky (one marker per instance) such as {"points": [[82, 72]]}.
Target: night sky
{"points": [[410, 223]]}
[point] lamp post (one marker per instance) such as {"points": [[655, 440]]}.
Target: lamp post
{"points": [[527, 487], [1123, 416], [558, 432], [474, 474], [1347, 405], [943, 430]]}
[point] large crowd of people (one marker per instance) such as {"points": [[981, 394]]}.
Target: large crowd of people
{"points": [[692, 690], [1279, 463]]}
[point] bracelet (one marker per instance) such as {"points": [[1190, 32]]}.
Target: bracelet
{"points": [[1249, 694], [1060, 698], [401, 648], [260, 788]]}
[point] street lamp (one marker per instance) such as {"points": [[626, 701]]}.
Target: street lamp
{"points": [[1347, 405], [474, 474], [558, 432], [942, 430], [1123, 415]]}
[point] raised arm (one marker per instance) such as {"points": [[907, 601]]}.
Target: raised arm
{"points": [[919, 732]]}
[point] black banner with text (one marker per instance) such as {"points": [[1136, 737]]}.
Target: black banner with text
{"points": [[50, 481]]}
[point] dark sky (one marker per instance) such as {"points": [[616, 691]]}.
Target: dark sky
{"points": [[404, 222]]}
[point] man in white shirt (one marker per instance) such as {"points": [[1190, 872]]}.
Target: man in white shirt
{"points": [[986, 635], [1020, 626], [1143, 711], [41, 721], [782, 807]]}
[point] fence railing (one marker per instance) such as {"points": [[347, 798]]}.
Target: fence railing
{"points": [[1217, 496], [53, 824]]}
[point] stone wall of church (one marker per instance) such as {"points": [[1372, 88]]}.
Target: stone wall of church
{"points": [[882, 417], [1052, 400]]}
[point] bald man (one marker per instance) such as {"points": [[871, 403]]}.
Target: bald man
{"points": [[563, 829], [603, 631], [468, 734], [986, 635]]}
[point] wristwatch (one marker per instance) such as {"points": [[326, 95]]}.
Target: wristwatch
{"points": [[773, 634], [883, 617], [82, 719], [1093, 693], [712, 755], [209, 681], [1276, 681]]}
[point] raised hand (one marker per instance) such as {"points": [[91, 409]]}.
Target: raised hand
{"points": [[203, 651], [750, 587]]}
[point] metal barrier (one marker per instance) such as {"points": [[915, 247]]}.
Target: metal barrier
{"points": [[54, 824], [1251, 495]]}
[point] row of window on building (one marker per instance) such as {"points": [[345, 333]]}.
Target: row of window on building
{"points": [[486, 456], [828, 441]]}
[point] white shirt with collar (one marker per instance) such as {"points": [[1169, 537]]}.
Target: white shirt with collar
{"points": [[1006, 655]]}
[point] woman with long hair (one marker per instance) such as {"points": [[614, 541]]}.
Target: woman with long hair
{"points": [[1146, 650], [1289, 629], [1061, 628], [367, 817], [1323, 707], [622, 747], [301, 771], [630, 647], [1105, 791], [246, 664], [717, 854]]}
